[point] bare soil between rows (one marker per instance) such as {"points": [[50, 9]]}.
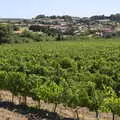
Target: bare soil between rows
{"points": [[10, 111], [14, 111]]}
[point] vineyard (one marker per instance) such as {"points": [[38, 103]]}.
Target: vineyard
{"points": [[72, 73]]}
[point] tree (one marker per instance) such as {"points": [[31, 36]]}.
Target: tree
{"points": [[53, 17], [70, 30], [67, 18], [5, 32], [59, 36], [15, 27], [40, 16]]}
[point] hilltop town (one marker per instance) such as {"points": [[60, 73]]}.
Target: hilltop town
{"points": [[99, 26]]}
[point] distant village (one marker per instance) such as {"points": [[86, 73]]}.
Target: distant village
{"points": [[100, 26]]}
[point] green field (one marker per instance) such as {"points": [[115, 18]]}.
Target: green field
{"points": [[82, 73]]}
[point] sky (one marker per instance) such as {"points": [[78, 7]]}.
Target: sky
{"points": [[80, 8]]}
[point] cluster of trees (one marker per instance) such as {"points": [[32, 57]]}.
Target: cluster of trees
{"points": [[113, 17], [65, 17], [7, 35], [37, 36], [78, 76], [5, 32], [48, 31], [57, 33]]}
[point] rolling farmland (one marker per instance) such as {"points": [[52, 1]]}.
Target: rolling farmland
{"points": [[71, 73]]}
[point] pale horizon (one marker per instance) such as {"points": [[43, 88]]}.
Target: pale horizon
{"points": [[30, 9]]}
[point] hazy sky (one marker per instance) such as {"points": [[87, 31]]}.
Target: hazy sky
{"points": [[31, 8]]}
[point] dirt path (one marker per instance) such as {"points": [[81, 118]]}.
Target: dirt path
{"points": [[14, 111], [9, 115]]}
